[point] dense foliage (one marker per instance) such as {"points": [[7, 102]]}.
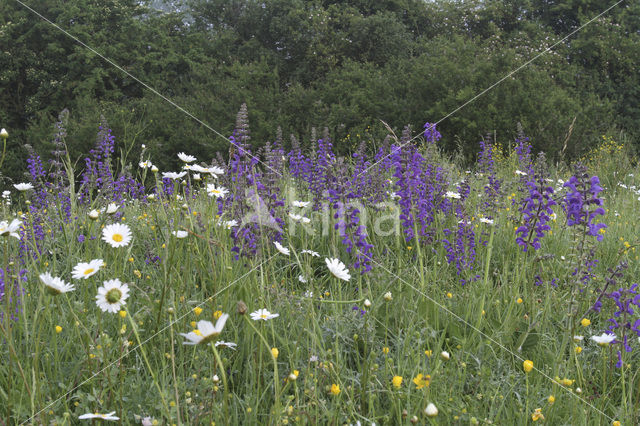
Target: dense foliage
{"points": [[303, 64]]}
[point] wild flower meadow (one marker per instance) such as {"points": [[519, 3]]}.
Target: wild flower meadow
{"points": [[296, 286]]}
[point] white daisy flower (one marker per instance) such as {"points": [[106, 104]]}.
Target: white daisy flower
{"points": [[180, 234], [282, 249], [229, 345], [186, 158], [451, 194], [263, 314], [487, 221], [112, 208], [311, 252], [109, 416], [112, 295], [205, 332], [198, 168], [197, 177], [300, 203], [216, 191], [604, 339], [521, 173], [85, 270], [145, 164], [23, 186], [299, 218], [147, 421], [10, 229], [94, 214], [173, 175], [55, 285], [215, 171], [230, 223], [117, 235], [578, 338], [337, 268]]}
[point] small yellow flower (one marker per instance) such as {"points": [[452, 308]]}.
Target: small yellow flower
{"points": [[58, 329], [428, 353], [537, 415], [294, 375], [192, 324], [616, 423], [527, 366], [385, 350], [397, 381], [578, 349], [217, 314], [197, 310], [123, 314], [519, 301], [422, 381], [335, 389], [585, 322], [275, 352], [449, 295], [551, 399]]}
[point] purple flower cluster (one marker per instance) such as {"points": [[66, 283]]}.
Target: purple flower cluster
{"points": [[582, 203], [535, 207], [626, 302]]}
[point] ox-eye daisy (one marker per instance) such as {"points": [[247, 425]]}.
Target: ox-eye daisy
{"points": [[112, 295], [180, 234], [55, 285], [263, 314], [205, 332], [337, 268], [85, 270], [186, 158], [109, 416], [216, 191], [23, 186], [10, 229], [282, 249], [117, 235]]}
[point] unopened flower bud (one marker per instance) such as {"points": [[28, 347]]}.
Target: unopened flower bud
{"points": [[241, 307], [4, 134]]}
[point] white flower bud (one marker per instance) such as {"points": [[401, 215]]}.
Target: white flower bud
{"points": [[431, 410]]}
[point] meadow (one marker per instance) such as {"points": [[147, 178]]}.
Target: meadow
{"points": [[296, 286]]}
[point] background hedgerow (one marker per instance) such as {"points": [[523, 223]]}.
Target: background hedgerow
{"points": [[436, 301]]}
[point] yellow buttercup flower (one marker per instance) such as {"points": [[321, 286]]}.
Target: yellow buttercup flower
{"points": [[585, 322], [422, 381], [275, 352], [537, 415], [397, 381], [197, 310], [527, 366], [335, 389]]}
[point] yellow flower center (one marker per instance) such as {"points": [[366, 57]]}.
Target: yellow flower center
{"points": [[88, 271], [196, 331], [117, 238], [263, 316]]}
